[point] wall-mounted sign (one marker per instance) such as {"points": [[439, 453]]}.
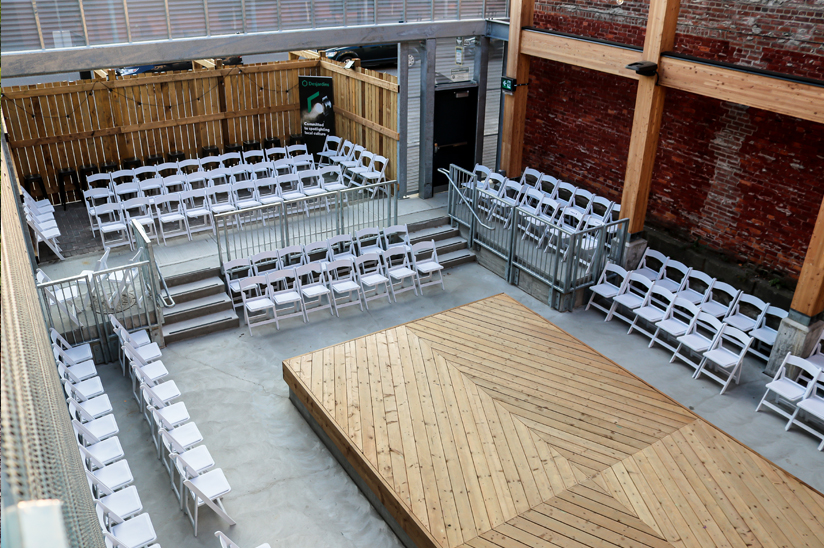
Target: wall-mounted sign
{"points": [[459, 55], [508, 84], [317, 116]]}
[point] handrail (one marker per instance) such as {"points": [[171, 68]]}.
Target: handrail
{"points": [[463, 199], [163, 302]]}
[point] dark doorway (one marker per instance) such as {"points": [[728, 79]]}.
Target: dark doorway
{"points": [[455, 119]]}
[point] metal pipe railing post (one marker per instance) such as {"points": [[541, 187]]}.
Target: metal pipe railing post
{"points": [[473, 226], [512, 213]]}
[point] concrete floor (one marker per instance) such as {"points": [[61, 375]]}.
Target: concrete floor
{"points": [[287, 488]]}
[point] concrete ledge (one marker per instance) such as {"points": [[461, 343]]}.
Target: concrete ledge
{"points": [[370, 496]]}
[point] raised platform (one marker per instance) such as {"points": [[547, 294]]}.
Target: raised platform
{"points": [[487, 426]]}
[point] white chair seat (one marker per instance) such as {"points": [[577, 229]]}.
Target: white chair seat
{"points": [[650, 313], [714, 309], [668, 285], [259, 303], [288, 297], [223, 208], [149, 352], [116, 475], [647, 272], [401, 273], [371, 249], [345, 286], [140, 338], [212, 484], [315, 290], [234, 286], [313, 191], [135, 532], [175, 414], [765, 335], [107, 451], [81, 352], [166, 391], [83, 370], [171, 217], [722, 357], [103, 427], [125, 503], [630, 300], [198, 212], [332, 187], [814, 406], [293, 195], [96, 407], [691, 295], [740, 322], [266, 200], [429, 266], [187, 435], [109, 227], [199, 459], [695, 342], [246, 204], [787, 389], [155, 370], [89, 388], [605, 290], [672, 326], [373, 279]]}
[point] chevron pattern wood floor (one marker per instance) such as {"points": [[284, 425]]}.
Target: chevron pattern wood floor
{"points": [[487, 426]]}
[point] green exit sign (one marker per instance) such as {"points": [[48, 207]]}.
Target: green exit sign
{"points": [[508, 84]]}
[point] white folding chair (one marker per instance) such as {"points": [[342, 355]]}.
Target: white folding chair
{"points": [[548, 185], [145, 172], [344, 153], [635, 292], [675, 323], [565, 193], [230, 159], [479, 175], [398, 268], [425, 262], [375, 175], [198, 458], [226, 542], [241, 173], [697, 288], [284, 291], [291, 256], [140, 210], [159, 414], [722, 297], [370, 273], [170, 212], [122, 176], [699, 337], [76, 371], [150, 188], [83, 390], [528, 209], [76, 353], [746, 313], [647, 266], [96, 430], [316, 252], [311, 184], [345, 290], [234, 271], [812, 404], [276, 153], [245, 195], [208, 488], [673, 276], [208, 163], [600, 210], [198, 181], [94, 197], [125, 503], [219, 176], [167, 169], [302, 162], [612, 282], [112, 478], [261, 170], [332, 179], [282, 167], [655, 308], [63, 296], [331, 147], [368, 240], [340, 247], [268, 191], [175, 183], [264, 262], [101, 454], [352, 160], [787, 388], [582, 201], [196, 208], [256, 301], [766, 331], [510, 195], [189, 166], [363, 164], [291, 190], [296, 150], [727, 354], [98, 180], [396, 236], [95, 407], [126, 191], [252, 156], [313, 287], [137, 532], [183, 437], [221, 199], [110, 222]]}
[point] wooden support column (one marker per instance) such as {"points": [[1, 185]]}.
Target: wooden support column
{"points": [[517, 66], [649, 108]]}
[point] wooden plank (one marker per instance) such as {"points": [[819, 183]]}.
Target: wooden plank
{"points": [[365, 122], [582, 53], [350, 74], [809, 293]]}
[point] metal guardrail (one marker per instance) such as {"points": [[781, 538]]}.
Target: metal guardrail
{"points": [[253, 230], [564, 259]]}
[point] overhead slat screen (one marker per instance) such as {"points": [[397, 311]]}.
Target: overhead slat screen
{"points": [[147, 20], [389, 11], [447, 67], [328, 13], [261, 15], [359, 12], [188, 18], [493, 102], [418, 10], [497, 8], [472, 9], [18, 26], [225, 17], [296, 14], [105, 21], [61, 24], [413, 152]]}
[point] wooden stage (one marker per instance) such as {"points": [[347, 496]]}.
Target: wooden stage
{"points": [[487, 426]]}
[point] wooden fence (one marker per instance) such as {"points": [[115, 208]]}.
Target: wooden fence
{"points": [[70, 124]]}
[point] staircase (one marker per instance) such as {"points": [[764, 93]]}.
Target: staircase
{"points": [[202, 305]]}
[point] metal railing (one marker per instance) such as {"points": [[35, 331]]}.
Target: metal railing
{"points": [[250, 231], [78, 307], [564, 259]]}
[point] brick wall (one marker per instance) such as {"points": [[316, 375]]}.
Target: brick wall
{"points": [[747, 182]]}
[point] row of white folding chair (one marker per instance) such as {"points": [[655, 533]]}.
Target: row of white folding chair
{"points": [[369, 168], [799, 383], [298, 290], [96, 430], [173, 434], [725, 346], [40, 218]]}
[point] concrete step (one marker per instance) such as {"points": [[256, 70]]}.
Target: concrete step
{"points": [[449, 245], [195, 327], [187, 310], [455, 258], [189, 277], [197, 290], [436, 233], [429, 223]]}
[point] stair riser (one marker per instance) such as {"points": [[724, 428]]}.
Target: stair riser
{"points": [[190, 277], [459, 261], [171, 318], [229, 323], [198, 294], [431, 223], [437, 237], [456, 246]]}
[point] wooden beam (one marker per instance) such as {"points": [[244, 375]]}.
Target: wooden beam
{"points": [[392, 134], [205, 63], [805, 101], [809, 294], [332, 66], [517, 66], [649, 109], [582, 53]]}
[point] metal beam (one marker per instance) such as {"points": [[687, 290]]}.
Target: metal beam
{"points": [[481, 71], [426, 162], [499, 30], [187, 49], [403, 114]]}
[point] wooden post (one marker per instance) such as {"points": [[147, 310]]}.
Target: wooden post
{"points": [[809, 294], [221, 97], [517, 66], [649, 108]]}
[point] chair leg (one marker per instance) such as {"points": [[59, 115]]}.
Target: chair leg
{"points": [[792, 419], [675, 354], [652, 342], [700, 368], [611, 311], [757, 409]]}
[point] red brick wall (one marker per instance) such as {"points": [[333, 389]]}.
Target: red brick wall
{"points": [[748, 183]]}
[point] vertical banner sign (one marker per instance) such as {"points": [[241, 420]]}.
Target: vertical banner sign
{"points": [[317, 118]]}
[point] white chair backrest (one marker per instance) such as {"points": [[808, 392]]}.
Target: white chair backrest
{"points": [[495, 182], [296, 150], [252, 156], [282, 281], [219, 176], [706, 325], [481, 173], [583, 200], [291, 256], [601, 208], [660, 298], [532, 199], [676, 272], [395, 257], [367, 237], [276, 153], [368, 263], [397, 235], [289, 182], [565, 192], [331, 143], [724, 294], [731, 336], [225, 542], [265, 261], [315, 251], [704, 283], [657, 258], [95, 177], [753, 307], [530, 177], [638, 284], [811, 369], [614, 274], [548, 185], [167, 168]]}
